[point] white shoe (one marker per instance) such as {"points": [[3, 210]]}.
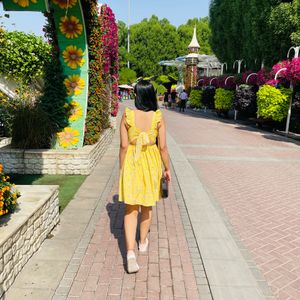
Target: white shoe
{"points": [[132, 265], [144, 247]]}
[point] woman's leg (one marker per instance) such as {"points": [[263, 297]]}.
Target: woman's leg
{"points": [[146, 217], [130, 224]]}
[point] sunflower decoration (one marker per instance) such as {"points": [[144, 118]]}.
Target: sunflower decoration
{"points": [[70, 27], [74, 84], [24, 3], [75, 111], [68, 137], [73, 57], [65, 4]]}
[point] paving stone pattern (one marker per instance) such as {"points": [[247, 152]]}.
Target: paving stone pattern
{"points": [[166, 271], [254, 178]]}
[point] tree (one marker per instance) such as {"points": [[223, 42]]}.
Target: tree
{"points": [[255, 30], [23, 56], [152, 41], [127, 76]]}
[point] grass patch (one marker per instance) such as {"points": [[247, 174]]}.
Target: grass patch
{"points": [[68, 184]]}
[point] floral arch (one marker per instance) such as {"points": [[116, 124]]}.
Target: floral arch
{"points": [[77, 25]]}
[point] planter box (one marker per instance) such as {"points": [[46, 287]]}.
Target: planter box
{"points": [[79, 161], [22, 233]]}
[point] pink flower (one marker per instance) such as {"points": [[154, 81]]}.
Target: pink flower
{"points": [[273, 82], [293, 70]]}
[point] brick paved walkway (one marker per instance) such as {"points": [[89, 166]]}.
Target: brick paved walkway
{"points": [[254, 178], [166, 270]]}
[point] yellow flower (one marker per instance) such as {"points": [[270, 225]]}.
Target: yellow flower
{"points": [[24, 3], [70, 27], [73, 57], [65, 3], [76, 111], [74, 84], [68, 137], [1, 168]]}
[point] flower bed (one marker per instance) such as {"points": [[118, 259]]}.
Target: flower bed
{"points": [[8, 196]]}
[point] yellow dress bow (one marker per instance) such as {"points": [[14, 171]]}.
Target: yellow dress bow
{"points": [[142, 140]]}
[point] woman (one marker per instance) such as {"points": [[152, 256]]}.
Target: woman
{"points": [[141, 167]]}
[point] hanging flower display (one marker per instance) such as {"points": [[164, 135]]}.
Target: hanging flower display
{"points": [[263, 76], [281, 65], [68, 137], [293, 70], [70, 27], [75, 111], [65, 4], [24, 3], [73, 56], [74, 84]]}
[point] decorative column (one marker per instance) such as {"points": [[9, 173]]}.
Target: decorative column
{"points": [[192, 60]]}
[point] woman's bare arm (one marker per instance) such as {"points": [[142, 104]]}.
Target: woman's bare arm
{"points": [[123, 142]]}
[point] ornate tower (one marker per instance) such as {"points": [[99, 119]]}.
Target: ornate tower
{"points": [[192, 60]]}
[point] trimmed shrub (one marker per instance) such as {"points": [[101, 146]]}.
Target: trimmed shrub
{"points": [[223, 99], [31, 128], [208, 97], [196, 98], [245, 99], [273, 103]]}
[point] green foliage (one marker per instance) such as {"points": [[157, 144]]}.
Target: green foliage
{"points": [[196, 98], [23, 56], [152, 40], [160, 89], [127, 76], [255, 30], [6, 114], [53, 100], [273, 103], [31, 128], [223, 99]]}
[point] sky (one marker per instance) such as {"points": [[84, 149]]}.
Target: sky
{"points": [[177, 11]]}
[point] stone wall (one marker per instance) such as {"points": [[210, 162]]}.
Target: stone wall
{"points": [[23, 232], [79, 161]]}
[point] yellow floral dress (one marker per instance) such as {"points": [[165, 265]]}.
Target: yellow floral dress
{"points": [[142, 169]]}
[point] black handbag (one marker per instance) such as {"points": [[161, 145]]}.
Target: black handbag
{"points": [[164, 188]]}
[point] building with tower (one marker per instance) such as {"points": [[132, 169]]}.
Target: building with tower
{"points": [[191, 62]]}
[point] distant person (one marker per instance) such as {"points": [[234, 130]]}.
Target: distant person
{"points": [[166, 98], [173, 98], [183, 99]]}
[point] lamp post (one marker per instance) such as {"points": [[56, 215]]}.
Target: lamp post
{"points": [[239, 64], [128, 33], [296, 49]]}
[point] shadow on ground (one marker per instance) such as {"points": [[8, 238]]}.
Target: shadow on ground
{"points": [[115, 211]]}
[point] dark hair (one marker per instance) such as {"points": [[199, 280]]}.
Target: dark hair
{"points": [[145, 96]]}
